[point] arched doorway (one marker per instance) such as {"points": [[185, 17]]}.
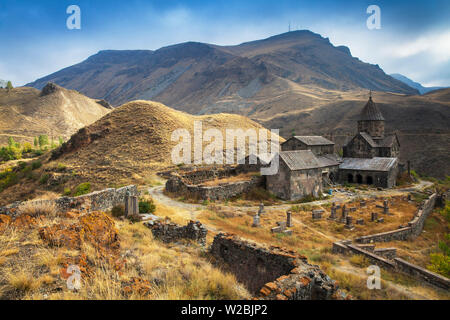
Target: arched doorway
{"points": [[331, 177], [350, 178], [369, 180], [359, 178]]}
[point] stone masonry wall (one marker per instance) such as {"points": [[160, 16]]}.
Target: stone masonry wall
{"points": [[96, 201], [171, 232], [413, 230], [273, 273], [177, 186]]}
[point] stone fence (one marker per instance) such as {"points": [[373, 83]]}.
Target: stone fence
{"points": [[178, 186], [413, 230], [385, 258], [273, 273], [171, 232], [96, 201]]}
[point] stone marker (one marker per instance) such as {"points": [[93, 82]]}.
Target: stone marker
{"points": [[344, 215], [362, 204], [288, 232], [352, 209], [381, 220], [374, 216], [131, 204], [282, 224], [255, 221], [261, 208], [289, 219], [385, 207], [333, 212], [349, 224], [360, 221], [317, 214]]}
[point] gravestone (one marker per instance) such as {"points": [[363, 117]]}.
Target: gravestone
{"points": [[131, 204], [381, 220], [261, 208], [289, 219], [362, 204], [344, 215], [333, 212], [317, 214], [360, 222], [385, 207], [256, 221], [349, 223], [374, 216]]}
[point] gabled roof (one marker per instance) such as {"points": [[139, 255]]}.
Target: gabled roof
{"points": [[374, 164], [299, 160], [369, 139], [329, 160], [371, 112], [313, 140], [389, 141]]}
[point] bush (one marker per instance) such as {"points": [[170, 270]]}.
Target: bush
{"points": [[134, 218], [83, 188], [146, 206], [67, 192], [36, 165], [118, 211], [44, 178]]}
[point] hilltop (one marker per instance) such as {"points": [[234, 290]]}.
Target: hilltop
{"points": [[54, 111]]}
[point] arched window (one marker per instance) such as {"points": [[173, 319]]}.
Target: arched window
{"points": [[350, 178], [369, 180]]}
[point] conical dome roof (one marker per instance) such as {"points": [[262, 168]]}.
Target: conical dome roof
{"points": [[371, 112]]}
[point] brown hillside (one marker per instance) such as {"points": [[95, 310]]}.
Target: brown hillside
{"points": [[135, 139], [26, 112]]}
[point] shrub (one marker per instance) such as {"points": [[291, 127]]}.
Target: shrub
{"points": [[36, 165], [146, 206], [37, 209], [359, 261], [67, 192], [134, 218], [83, 188], [118, 211], [44, 178]]}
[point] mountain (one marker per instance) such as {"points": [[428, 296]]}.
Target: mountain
{"points": [[201, 78], [413, 84], [27, 112]]}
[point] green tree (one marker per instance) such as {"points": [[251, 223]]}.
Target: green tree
{"points": [[43, 140], [36, 142], [9, 85], [11, 142], [61, 141]]}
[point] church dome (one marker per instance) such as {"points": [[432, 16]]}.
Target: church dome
{"points": [[371, 112]]}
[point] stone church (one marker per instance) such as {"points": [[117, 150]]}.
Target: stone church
{"points": [[307, 163]]}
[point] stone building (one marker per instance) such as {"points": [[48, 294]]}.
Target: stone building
{"points": [[317, 144], [379, 172], [299, 175], [371, 141]]}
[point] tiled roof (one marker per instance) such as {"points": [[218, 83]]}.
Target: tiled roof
{"points": [[299, 160], [371, 112], [374, 164]]}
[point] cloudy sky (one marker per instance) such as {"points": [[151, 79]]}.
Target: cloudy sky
{"points": [[414, 38]]}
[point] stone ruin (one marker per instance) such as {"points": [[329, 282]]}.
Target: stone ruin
{"points": [[168, 232], [273, 273]]}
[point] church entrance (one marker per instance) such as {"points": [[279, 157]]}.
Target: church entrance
{"points": [[369, 180], [350, 178], [359, 178]]}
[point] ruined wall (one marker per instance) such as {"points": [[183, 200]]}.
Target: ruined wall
{"points": [[413, 230], [273, 273], [171, 232], [96, 201], [177, 186], [386, 258]]}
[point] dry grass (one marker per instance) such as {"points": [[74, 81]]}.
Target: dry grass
{"points": [[38, 209], [231, 179]]}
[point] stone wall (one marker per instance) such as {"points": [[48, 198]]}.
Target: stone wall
{"points": [[96, 201], [178, 186], [171, 232], [386, 258], [273, 273], [413, 230]]}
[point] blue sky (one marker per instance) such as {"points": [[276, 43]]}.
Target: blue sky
{"points": [[414, 38]]}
